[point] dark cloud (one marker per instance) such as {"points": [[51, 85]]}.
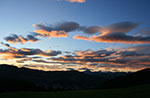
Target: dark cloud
{"points": [[20, 39], [115, 33], [64, 26], [119, 37], [107, 33], [91, 29], [7, 45], [140, 48], [121, 27], [68, 27], [32, 38]]}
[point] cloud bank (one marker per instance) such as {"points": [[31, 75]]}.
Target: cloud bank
{"points": [[114, 33], [133, 58], [119, 37], [118, 33], [25, 52], [128, 59]]}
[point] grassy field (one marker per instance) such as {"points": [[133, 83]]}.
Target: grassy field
{"points": [[133, 92]]}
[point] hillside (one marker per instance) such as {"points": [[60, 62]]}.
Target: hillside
{"points": [[11, 76], [137, 78]]}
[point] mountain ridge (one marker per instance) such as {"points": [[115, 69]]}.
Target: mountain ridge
{"points": [[133, 79]]}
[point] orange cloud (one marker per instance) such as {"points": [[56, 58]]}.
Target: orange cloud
{"points": [[80, 37], [51, 33], [129, 59], [79, 1], [22, 40], [25, 50], [120, 38]]}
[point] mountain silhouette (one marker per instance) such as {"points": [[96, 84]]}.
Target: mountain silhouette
{"points": [[13, 78], [18, 79], [133, 79]]}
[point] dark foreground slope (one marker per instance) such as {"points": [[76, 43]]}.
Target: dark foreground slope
{"points": [[19, 79], [137, 78], [132, 92]]}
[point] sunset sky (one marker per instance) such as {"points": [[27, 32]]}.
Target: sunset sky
{"points": [[62, 35]]}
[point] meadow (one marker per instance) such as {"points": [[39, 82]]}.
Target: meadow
{"points": [[132, 92]]}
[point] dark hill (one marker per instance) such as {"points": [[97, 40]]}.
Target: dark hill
{"points": [[13, 78], [23, 79], [133, 79]]}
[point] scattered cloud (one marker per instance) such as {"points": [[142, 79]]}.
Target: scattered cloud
{"points": [[114, 33], [126, 59], [25, 52], [20, 39], [118, 33], [132, 58]]}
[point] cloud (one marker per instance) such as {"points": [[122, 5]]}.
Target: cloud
{"points": [[140, 48], [119, 37], [57, 30], [80, 37], [19, 39], [6, 45], [132, 58], [50, 34], [86, 56], [126, 59], [122, 27], [41, 61], [31, 38], [66, 27], [78, 1], [118, 33], [73, 26], [45, 67], [25, 52], [114, 33], [63, 26], [91, 29]]}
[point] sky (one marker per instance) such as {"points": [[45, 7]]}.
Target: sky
{"points": [[63, 35]]}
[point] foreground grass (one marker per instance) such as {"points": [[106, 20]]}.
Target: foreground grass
{"points": [[133, 92]]}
